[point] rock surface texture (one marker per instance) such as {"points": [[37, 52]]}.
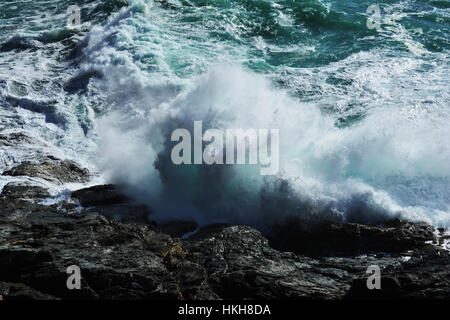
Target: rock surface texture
{"points": [[138, 261]]}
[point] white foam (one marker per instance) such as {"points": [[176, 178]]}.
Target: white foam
{"points": [[392, 161]]}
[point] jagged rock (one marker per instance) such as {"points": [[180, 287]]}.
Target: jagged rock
{"points": [[178, 228], [109, 202], [19, 199], [114, 258], [14, 190], [51, 169], [19, 291], [123, 212], [99, 195], [350, 239], [426, 277], [208, 230], [135, 261], [241, 265]]}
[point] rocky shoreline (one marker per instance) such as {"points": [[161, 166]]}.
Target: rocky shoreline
{"points": [[122, 255]]}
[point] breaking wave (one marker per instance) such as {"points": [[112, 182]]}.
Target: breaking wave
{"points": [[363, 116]]}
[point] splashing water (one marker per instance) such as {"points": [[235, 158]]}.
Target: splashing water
{"points": [[363, 115]]}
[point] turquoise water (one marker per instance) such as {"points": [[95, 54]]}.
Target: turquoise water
{"points": [[363, 113]]}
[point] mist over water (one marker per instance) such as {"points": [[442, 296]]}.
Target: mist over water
{"points": [[363, 115]]}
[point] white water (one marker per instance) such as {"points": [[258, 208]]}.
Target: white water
{"points": [[393, 161]]}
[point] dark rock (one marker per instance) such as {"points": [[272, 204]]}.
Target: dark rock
{"points": [[24, 191], [208, 230], [123, 212], [19, 291], [99, 195], [426, 277], [115, 259], [135, 261], [110, 202], [241, 265], [57, 171], [178, 228], [350, 239], [19, 199], [389, 288]]}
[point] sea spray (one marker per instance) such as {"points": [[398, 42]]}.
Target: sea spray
{"points": [[363, 114], [329, 168]]}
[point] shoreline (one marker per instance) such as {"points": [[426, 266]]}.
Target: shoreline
{"points": [[135, 258]]}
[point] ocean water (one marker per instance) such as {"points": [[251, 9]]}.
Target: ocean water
{"points": [[363, 113]]}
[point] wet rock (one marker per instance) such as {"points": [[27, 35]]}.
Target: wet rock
{"points": [[389, 288], [108, 201], [19, 199], [423, 277], [19, 291], [138, 261], [208, 230], [241, 265], [350, 239], [99, 195], [115, 259], [178, 228], [51, 169], [18, 190], [123, 212]]}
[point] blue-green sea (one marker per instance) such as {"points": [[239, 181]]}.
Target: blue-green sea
{"points": [[361, 99]]}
